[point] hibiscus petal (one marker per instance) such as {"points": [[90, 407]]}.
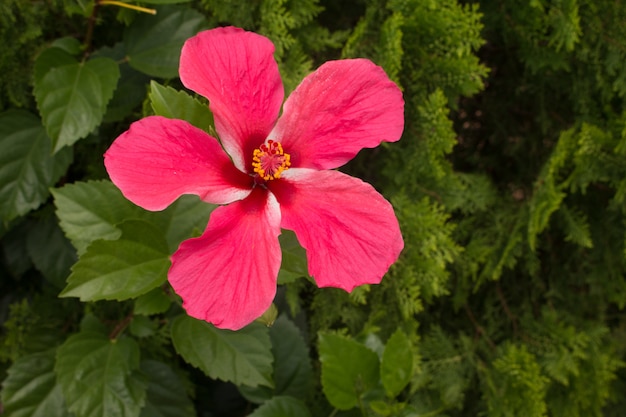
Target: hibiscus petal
{"points": [[237, 72], [157, 160], [228, 275], [336, 111], [350, 232]]}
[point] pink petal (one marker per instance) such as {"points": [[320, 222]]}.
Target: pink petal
{"points": [[228, 275], [157, 160], [237, 72], [350, 232], [336, 111]]}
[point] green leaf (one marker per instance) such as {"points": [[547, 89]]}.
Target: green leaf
{"points": [[89, 211], [100, 377], [30, 389], [27, 167], [174, 104], [131, 87], [72, 98], [50, 251], [51, 58], [243, 357], [184, 218], [396, 367], [153, 43], [282, 407], [13, 249], [166, 392], [69, 44], [293, 375], [80, 7], [142, 326], [294, 264], [164, 1], [153, 302], [125, 268], [349, 369]]}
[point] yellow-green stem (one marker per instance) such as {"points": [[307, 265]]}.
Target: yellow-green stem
{"points": [[126, 5]]}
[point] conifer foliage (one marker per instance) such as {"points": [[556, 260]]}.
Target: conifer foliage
{"points": [[509, 183]]}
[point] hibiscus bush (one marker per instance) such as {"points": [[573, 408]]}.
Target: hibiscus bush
{"points": [[312, 208]]}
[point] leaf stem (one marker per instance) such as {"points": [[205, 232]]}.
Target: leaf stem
{"points": [[90, 27], [126, 5], [120, 327]]}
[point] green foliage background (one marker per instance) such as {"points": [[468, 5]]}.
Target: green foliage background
{"points": [[509, 184]]}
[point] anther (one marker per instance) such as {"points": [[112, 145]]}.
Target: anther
{"points": [[269, 160]]}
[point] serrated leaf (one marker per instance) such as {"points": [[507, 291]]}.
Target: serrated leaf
{"points": [[131, 87], [181, 219], [153, 302], [72, 98], [108, 72], [174, 104], [50, 251], [294, 264], [349, 369], [396, 367], [293, 374], [51, 58], [99, 377], [153, 43], [30, 389], [243, 357], [121, 269], [282, 406], [166, 395], [27, 167], [89, 211]]}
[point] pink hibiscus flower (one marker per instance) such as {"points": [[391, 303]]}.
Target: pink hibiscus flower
{"points": [[267, 172]]}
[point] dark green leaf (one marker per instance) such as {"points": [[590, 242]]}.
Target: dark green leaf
{"points": [[80, 7], [100, 377], [51, 58], [70, 45], [294, 264], [153, 43], [131, 87], [293, 374], [349, 369], [89, 211], [30, 389], [27, 167], [13, 249], [142, 326], [153, 302], [72, 98], [181, 219], [282, 406], [166, 392], [396, 368], [174, 104], [51, 252], [125, 268], [164, 1], [243, 357]]}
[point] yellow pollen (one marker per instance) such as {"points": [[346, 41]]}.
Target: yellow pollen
{"points": [[269, 160]]}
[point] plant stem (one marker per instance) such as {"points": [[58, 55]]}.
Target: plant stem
{"points": [[126, 5]]}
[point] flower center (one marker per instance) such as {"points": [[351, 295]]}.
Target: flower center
{"points": [[269, 160]]}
